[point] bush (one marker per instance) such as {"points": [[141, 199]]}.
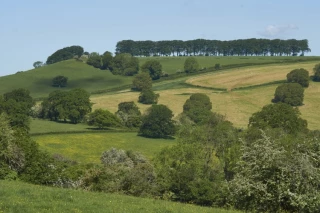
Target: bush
{"points": [[148, 97], [191, 65], [290, 93], [316, 71], [157, 122], [59, 81], [103, 118], [300, 76]]}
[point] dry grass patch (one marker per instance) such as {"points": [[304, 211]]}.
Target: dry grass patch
{"points": [[248, 76]]}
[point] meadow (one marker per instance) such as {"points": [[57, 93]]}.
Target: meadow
{"points": [[88, 147], [21, 197]]}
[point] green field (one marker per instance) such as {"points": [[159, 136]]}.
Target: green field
{"points": [[88, 147], [16, 197]]}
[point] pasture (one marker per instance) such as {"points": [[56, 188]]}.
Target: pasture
{"points": [[21, 197], [88, 147]]}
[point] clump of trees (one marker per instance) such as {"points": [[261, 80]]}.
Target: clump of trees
{"points": [[191, 65], [124, 64], [197, 107], [157, 122], [290, 93], [70, 105], [59, 81], [37, 64], [102, 119], [300, 76], [147, 96], [129, 114], [142, 81], [153, 67], [94, 59], [65, 54]]}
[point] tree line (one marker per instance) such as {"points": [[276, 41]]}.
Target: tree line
{"points": [[204, 47]]}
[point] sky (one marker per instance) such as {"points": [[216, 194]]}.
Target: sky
{"points": [[32, 30]]}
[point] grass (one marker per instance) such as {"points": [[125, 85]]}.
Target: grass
{"points": [[88, 147], [243, 77], [18, 197]]}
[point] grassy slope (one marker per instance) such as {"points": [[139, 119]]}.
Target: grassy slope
{"points": [[45, 126], [22, 197], [88, 147], [38, 81]]}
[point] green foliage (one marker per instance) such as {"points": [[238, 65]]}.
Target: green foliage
{"points": [[65, 54], [142, 81], [59, 81], [103, 118], [273, 176], [197, 107], [17, 105], [37, 64], [153, 67], [106, 60], [129, 114], [157, 122], [148, 97], [279, 115], [94, 60], [72, 105], [290, 93], [124, 64], [300, 76], [316, 73], [191, 65], [217, 66]]}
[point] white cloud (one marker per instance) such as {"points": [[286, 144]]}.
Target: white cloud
{"points": [[274, 30]]}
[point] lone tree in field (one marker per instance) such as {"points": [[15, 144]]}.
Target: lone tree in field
{"points": [[153, 67], [142, 81], [148, 97], [157, 122], [59, 81], [300, 76], [316, 71], [278, 115], [198, 107], [103, 118], [191, 65], [290, 93]]}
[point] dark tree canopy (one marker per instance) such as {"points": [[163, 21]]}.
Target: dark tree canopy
{"points": [[198, 107], [289, 93], [279, 115], [59, 81], [124, 64], [106, 60], [148, 97], [103, 118], [153, 67], [191, 65], [142, 81], [157, 122], [72, 105], [129, 114], [65, 54], [316, 73], [37, 64], [300, 76], [201, 47], [94, 60]]}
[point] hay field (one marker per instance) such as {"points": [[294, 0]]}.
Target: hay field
{"points": [[243, 77]]}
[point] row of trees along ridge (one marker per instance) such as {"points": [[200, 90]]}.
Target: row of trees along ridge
{"points": [[240, 47]]}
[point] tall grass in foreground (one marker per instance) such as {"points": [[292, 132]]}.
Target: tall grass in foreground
{"points": [[21, 197]]}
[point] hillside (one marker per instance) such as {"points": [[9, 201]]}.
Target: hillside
{"points": [[21, 197]]}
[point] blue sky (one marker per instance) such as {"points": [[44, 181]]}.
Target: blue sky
{"points": [[32, 30]]}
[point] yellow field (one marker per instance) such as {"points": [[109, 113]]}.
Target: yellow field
{"points": [[248, 76], [237, 106]]}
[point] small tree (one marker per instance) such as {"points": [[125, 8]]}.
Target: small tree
{"points": [[153, 67], [37, 64], [191, 65], [300, 76], [59, 81], [290, 93], [129, 114], [316, 71], [197, 107], [102, 118], [157, 122], [148, 97], [142, 81], [94, 60]]}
